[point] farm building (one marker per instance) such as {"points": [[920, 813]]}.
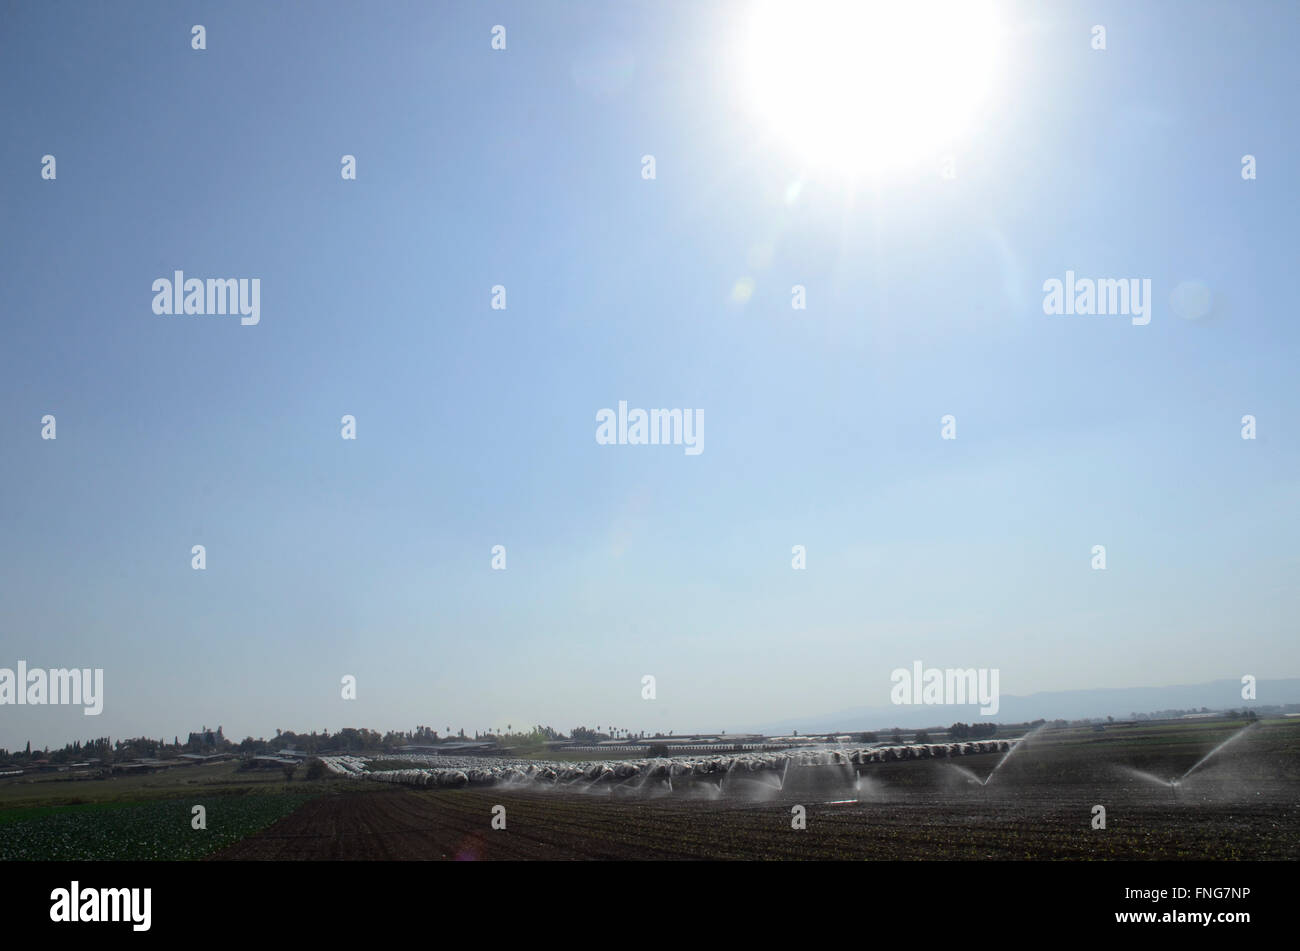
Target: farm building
{"points": [[199, 758], [272, 762]]}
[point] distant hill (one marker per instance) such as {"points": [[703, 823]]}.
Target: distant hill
{"points": [[1118, 702]]}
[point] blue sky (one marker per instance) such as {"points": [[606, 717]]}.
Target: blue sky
{"points": [[476, 427]]}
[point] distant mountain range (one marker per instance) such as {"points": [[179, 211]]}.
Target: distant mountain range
{"points": [[1118, 702]]}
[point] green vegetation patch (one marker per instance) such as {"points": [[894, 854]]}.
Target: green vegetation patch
{"points": [[147, 831], [9, 816]]}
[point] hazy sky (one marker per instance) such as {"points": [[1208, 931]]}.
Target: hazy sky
{"points": [[475, 427]]}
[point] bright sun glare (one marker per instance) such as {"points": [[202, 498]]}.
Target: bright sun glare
{"points": [[858, 86]]}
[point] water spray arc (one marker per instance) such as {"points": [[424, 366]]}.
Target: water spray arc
{"points": [[1173, 783], [761, 773]]}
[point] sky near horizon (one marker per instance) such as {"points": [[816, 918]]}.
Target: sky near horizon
{"points": [[476, 427]]}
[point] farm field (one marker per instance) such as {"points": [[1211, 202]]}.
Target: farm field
{"points": [[1241, 806], [144, 817], [454, 824], [55, 789], [125, 831]]}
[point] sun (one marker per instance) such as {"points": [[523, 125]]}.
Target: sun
{"points": [[861, 86]]}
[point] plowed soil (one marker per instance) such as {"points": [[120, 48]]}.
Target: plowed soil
{"points": [[1025, 823]]}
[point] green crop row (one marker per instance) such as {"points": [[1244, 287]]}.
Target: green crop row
{"points": [[159, 830]]}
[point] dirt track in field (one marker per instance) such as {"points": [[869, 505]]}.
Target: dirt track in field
{"points": [[413, 824]]}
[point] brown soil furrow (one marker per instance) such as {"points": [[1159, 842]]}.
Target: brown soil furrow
{"points": [[451, 824]]}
